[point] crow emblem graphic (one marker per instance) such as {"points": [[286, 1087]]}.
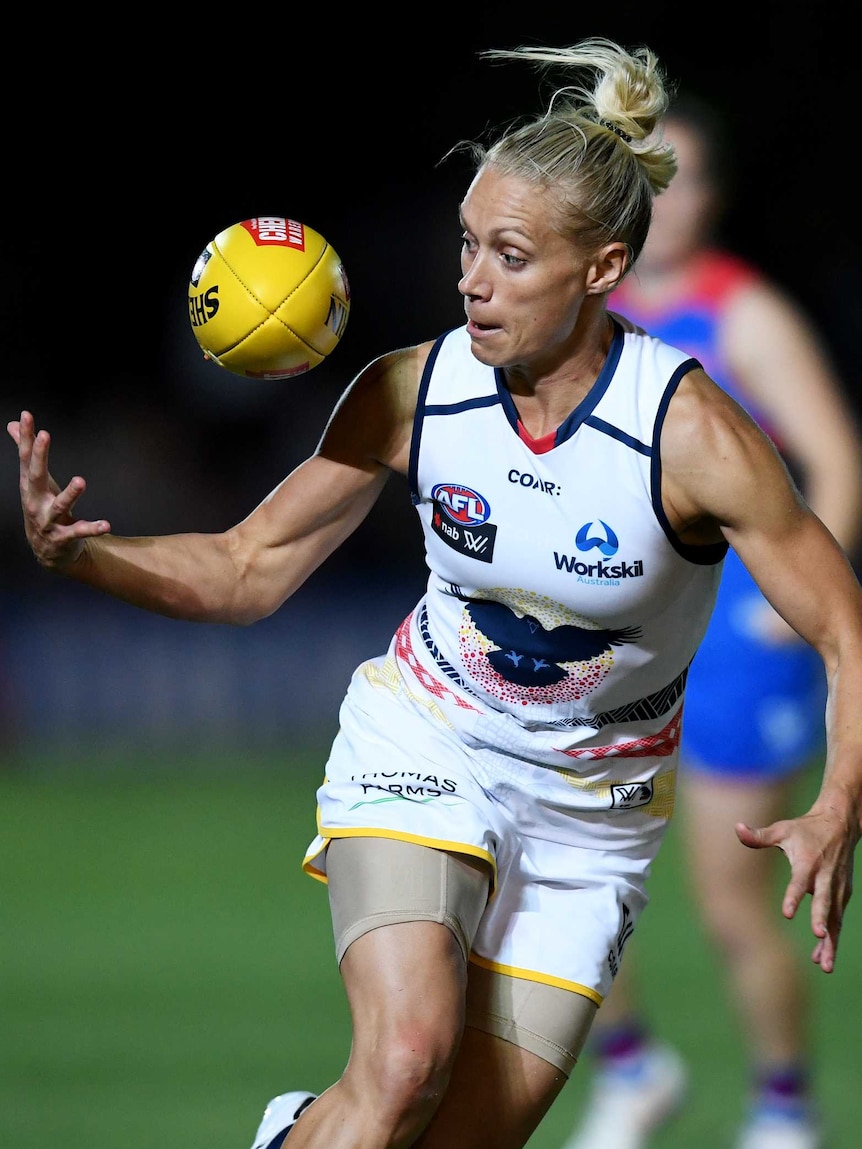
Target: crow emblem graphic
{"points": [[530, 654]]}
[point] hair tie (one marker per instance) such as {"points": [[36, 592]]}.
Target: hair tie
{"points": [[617, 131]]}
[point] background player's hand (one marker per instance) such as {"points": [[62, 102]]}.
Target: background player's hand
{"points": [[819, 847], [54, 534]]}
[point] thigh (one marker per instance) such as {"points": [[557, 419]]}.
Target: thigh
{"points": [[375, 881], [404, 917]]}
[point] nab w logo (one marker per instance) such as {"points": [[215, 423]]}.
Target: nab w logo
{"points": [[629, 795], [475, 543], [475, 540], [597, 535]]}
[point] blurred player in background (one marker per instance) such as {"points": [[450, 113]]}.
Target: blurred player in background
{"points": [[754, 705], [503, 775]]}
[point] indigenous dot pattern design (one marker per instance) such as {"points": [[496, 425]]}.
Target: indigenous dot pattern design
{"points": [[582, 677]]}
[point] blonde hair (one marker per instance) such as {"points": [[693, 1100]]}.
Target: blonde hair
{"points": [[598, 144]]}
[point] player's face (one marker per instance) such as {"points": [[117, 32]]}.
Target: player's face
{"points": [[682, 215], [523, 283]]}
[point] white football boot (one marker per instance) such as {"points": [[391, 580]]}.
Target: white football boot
{"points": [[279, 1118]]}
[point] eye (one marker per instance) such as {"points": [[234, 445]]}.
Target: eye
{"points": [[512, 260], [468, 243]]}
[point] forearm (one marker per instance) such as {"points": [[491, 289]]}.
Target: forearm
{"points": [[237, 577], [187, 576], [841, 787]]}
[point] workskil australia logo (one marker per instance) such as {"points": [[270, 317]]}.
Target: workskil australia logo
{"points": [[460, 518], [595, 569]]}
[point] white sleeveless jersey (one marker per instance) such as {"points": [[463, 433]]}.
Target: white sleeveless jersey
{"points": [[528, 711], [561, 611]]}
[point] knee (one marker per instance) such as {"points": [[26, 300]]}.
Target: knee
{"points": [[417, 1062], [407, 1073]]}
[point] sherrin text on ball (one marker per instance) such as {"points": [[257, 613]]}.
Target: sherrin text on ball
{"points": [[268, 298]]}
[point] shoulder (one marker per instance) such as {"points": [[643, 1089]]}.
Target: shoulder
{"points": [[702, 417], [373, 419], [711, 448], [706, 282], [761, 305], [723, 272], [390, 383]]}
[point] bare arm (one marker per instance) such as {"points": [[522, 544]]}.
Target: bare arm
{"points": [[722, 476], [248, 571], [777, 353]]}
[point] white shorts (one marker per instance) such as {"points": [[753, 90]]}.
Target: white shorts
{"points": [[568, 883]]}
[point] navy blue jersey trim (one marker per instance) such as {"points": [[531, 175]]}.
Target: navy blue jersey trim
{"points": [[424, 384], [463, 405], [615, 433], [706, 555], [506, 400], [589, 402]]}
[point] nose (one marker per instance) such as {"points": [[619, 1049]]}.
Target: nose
{"points": [[472, 283]]}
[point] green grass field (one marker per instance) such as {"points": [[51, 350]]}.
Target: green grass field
{"points": [[165, 967]]}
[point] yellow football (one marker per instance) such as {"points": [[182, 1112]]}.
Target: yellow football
{"points": [[268, 298]]}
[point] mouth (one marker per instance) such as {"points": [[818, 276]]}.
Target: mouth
{"points": [[477, 330]]}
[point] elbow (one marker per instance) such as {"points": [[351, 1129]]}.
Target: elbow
{"points": [[251, 603], [247, 618], [261, 579]]}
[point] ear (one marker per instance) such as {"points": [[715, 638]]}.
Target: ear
{"points": [[608, 268]]}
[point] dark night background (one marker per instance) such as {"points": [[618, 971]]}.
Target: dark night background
{"points": [[147, 886], [126, 151]]}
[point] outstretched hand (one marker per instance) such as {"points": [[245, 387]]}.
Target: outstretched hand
{"points": [[819, 846], [55, 536]]}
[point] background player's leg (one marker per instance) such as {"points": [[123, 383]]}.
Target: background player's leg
{"points": [[638, 1081], [738, 894]]}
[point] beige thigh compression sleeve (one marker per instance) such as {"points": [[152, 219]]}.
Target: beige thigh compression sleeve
{"points": [[551, 1022], [380, 881]]}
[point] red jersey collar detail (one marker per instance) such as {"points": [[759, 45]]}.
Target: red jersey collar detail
{"points": [[537, 446]]}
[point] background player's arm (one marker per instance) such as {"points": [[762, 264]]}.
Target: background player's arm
{"points": [[723, 475], [773, 347], [246, 572]]}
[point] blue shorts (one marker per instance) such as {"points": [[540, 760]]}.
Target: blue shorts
{"points": [[754, 707]]}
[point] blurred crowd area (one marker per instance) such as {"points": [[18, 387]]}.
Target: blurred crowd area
{"points": [[114, 197]]}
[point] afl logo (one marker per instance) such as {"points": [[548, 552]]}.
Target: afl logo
{"points": [[590, 536], [462, 505]]}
